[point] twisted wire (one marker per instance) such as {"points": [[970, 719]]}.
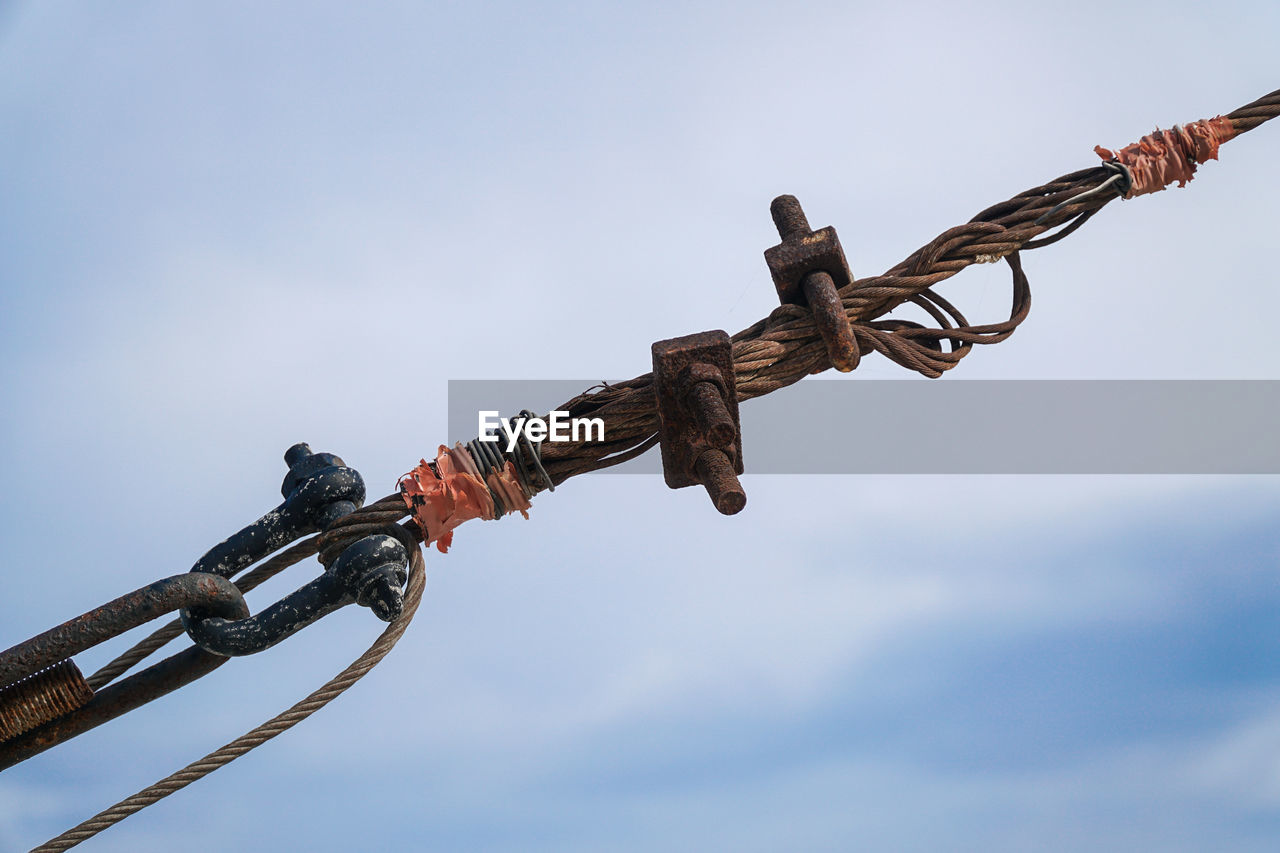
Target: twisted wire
{"points": [[785, 347]]}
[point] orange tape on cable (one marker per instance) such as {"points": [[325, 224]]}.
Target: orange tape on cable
{"points": [[454, 492], [1158, 159]]}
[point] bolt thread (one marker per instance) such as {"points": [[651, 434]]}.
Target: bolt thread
{"points": [[41, 697], [712, 414], [721, 482], [789, 216]]}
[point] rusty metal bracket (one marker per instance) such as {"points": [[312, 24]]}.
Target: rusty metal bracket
{"points": [[697, 403], [809, 268]]}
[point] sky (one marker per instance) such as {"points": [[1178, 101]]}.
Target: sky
{"points": [[227, 229]]}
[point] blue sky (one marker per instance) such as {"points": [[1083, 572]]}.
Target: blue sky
{"points": [[225, 230]]}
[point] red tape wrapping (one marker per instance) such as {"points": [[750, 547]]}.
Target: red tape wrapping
{"points": [[454, 492], [1158, 159]]}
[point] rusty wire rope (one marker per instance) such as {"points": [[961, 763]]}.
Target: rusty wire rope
{"points": [[775, 352], [784, 347]]}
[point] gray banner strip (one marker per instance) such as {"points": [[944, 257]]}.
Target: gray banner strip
{"points": [[967, 426]]}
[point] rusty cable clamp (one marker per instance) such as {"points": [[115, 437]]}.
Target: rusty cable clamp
{"points": [[809, 268], [695, 388], [44, 699], [698, 411]]}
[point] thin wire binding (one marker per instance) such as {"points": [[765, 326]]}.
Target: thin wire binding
{"points": [[1122, 180], [490, 455]]}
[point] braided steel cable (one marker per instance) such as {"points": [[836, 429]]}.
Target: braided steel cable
{"points": [[784, 347], [261, 734]]}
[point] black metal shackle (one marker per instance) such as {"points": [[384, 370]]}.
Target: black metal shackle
{"points": [[318, 490]]}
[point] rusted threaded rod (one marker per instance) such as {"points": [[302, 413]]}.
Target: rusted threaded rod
{"points": [[707, 404], [833, 324], [716, 474], [788, 216]]}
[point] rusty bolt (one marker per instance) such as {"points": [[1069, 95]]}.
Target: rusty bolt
{"points": [[708, 410], [717, 475], [809, 268], [703, 397]]}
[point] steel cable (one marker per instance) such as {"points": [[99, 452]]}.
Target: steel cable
{"points": [[785, 347]]}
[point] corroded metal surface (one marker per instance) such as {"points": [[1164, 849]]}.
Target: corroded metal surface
{"points": [[210, 592], [809, 268], [112, 701], [698, 413], [39, 698], [50, 700]]}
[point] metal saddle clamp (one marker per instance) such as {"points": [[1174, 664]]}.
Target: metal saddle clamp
{"points": [[809, 268], [697, 402]]}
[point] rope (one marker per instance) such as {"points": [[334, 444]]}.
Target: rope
{"points": [[263, 733]]}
